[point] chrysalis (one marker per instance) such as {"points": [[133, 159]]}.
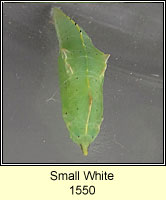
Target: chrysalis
{"points": [[81, 69]]}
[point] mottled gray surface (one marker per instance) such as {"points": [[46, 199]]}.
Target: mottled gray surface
{"points": [[33, 128]]}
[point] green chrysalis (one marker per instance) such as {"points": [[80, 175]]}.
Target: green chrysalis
{"points": [[81, 69]]}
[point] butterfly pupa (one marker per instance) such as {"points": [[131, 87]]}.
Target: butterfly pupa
{"points": [[81, 69]]}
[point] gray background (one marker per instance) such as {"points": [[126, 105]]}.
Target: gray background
{"points": [[33, 128]]}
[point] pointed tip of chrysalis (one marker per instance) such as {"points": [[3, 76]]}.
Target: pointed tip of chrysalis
{"points": [[52, 11], [84, 149], [55, 11]]}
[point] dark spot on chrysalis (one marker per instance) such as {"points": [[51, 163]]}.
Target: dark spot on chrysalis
{"points": [[80, 31], [78, 136], [65, 113], [75, 23]]}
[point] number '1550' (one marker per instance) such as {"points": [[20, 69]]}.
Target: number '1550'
{"points": [[85, 189]]}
